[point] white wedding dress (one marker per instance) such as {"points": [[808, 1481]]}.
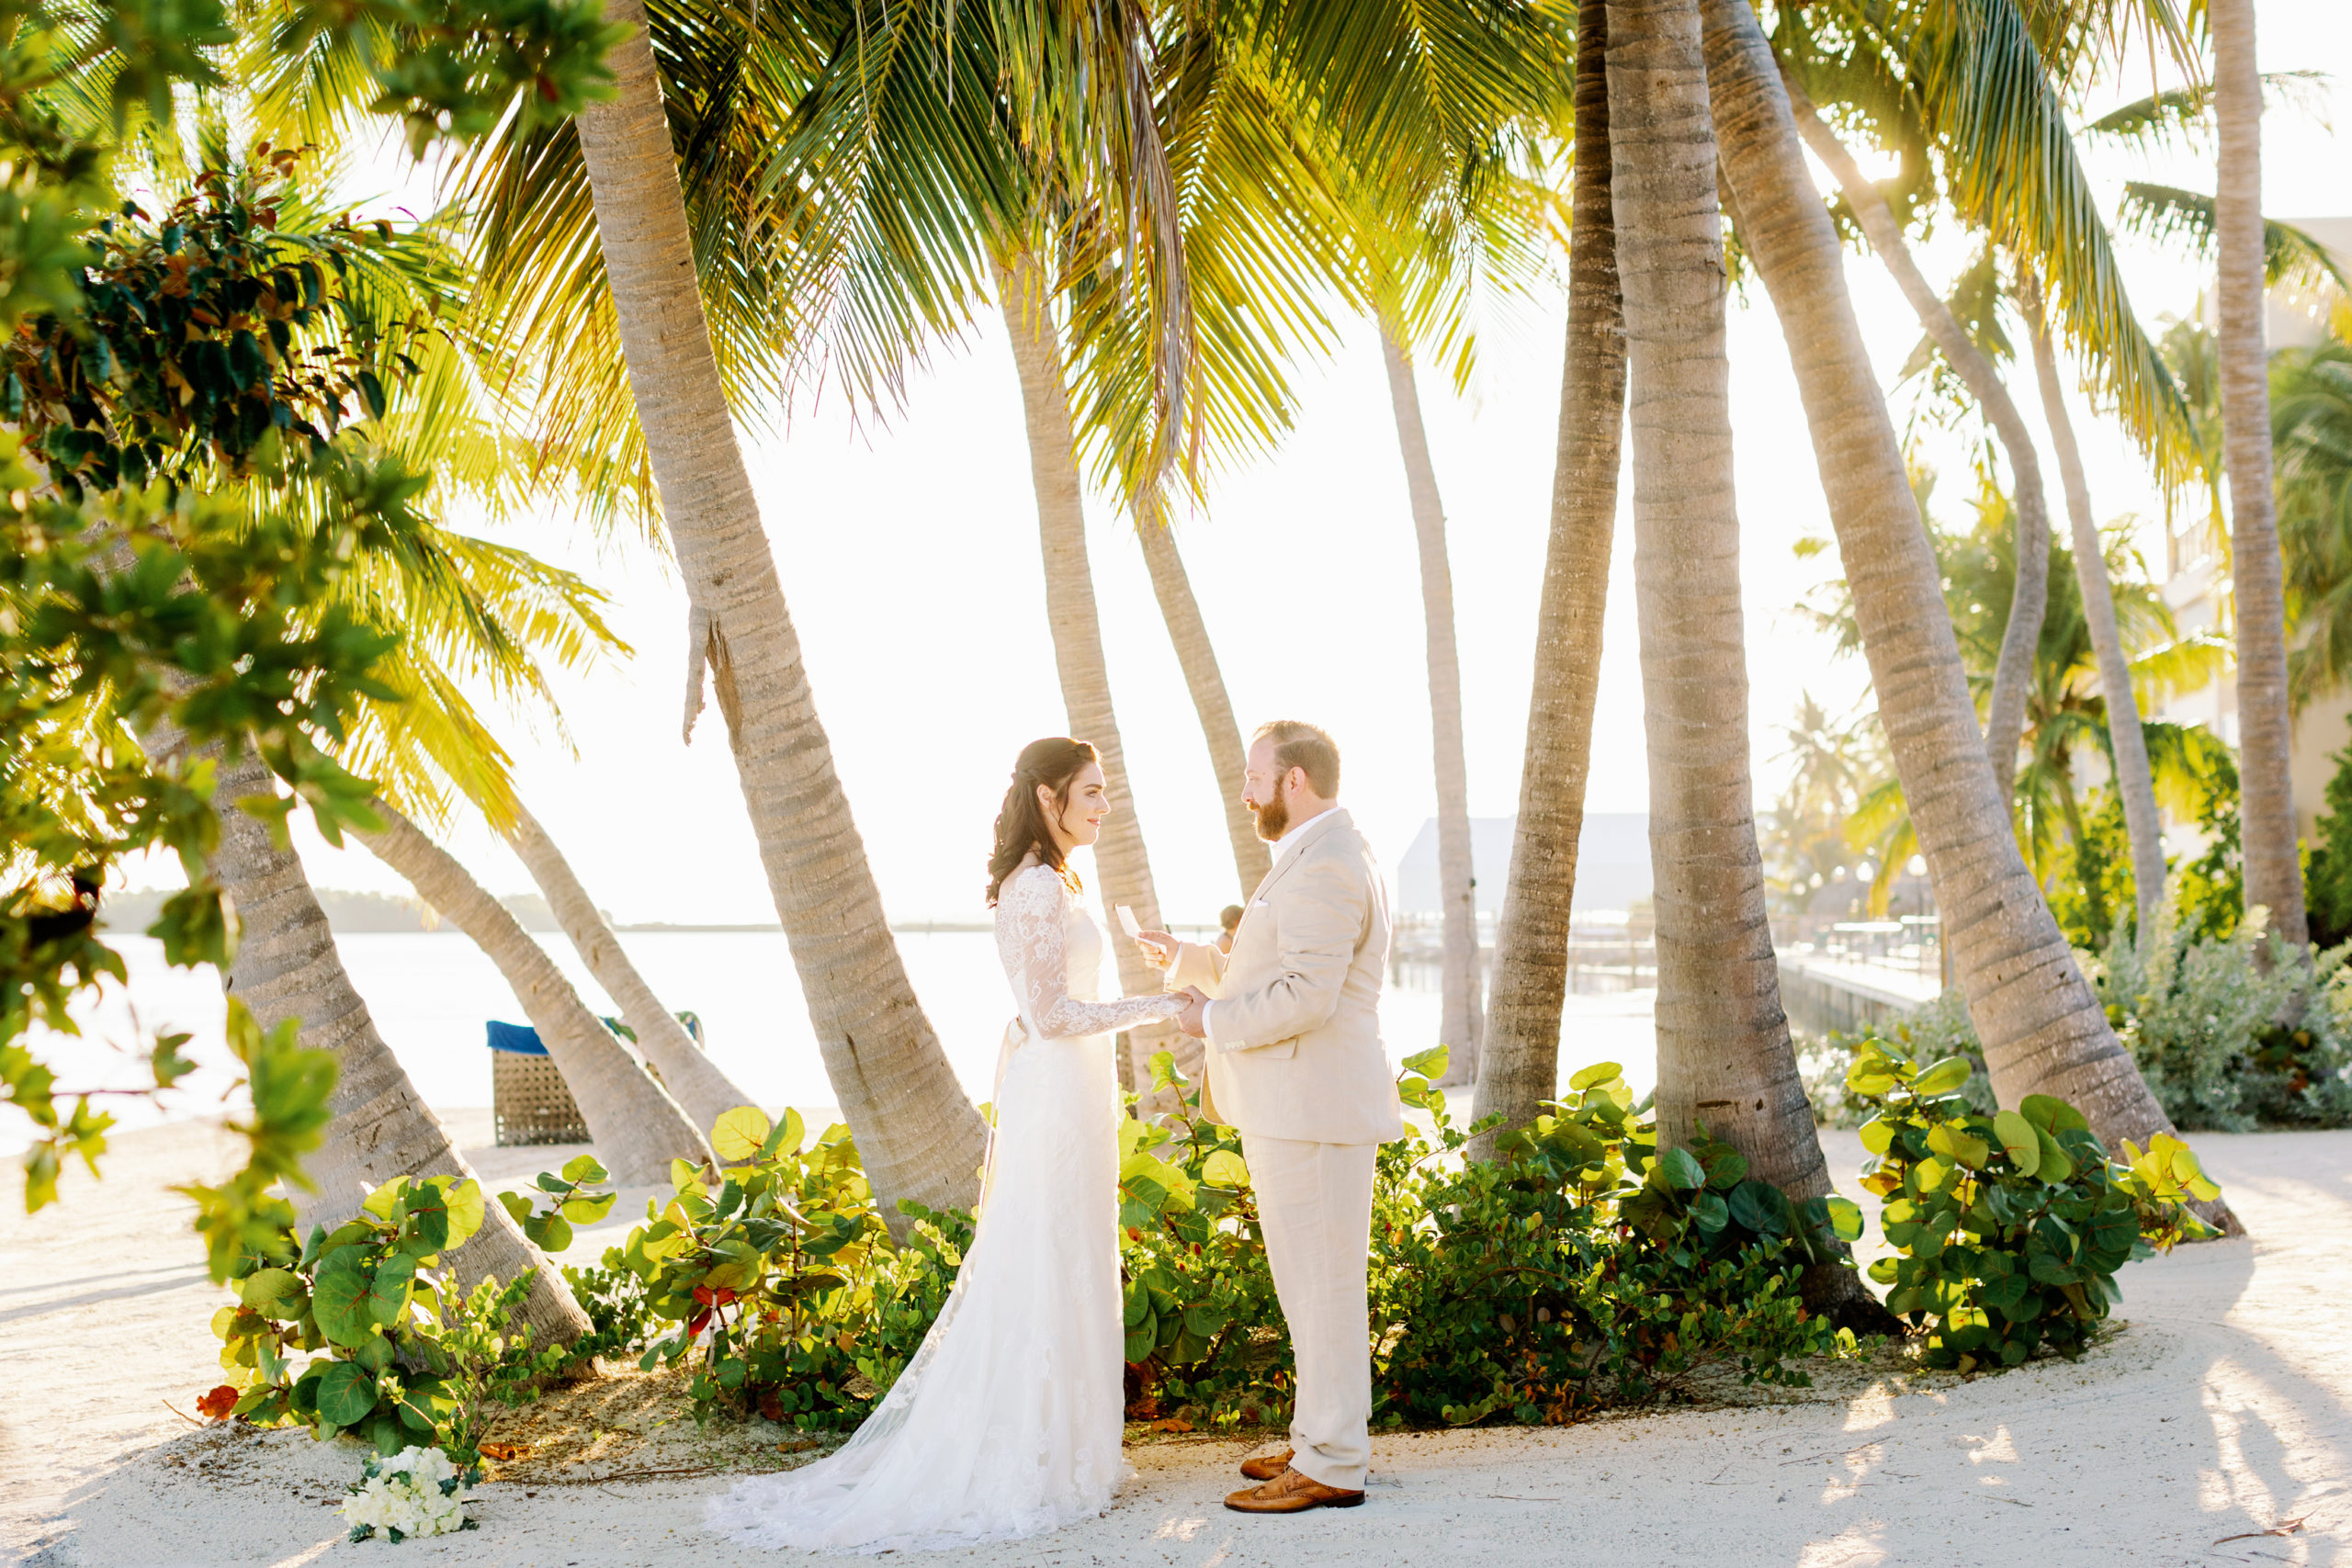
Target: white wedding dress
{"points": [[1007, 1422]]}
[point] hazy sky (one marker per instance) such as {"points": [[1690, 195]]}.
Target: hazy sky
{"points": [[909, 553]]}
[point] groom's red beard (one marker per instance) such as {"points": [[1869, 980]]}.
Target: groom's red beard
{"points": [[1273, 819]]}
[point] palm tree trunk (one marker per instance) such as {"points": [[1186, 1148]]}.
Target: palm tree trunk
{"points": [[2273, 877], [1460, 1021], [636, 1127], [1519, 1065], [2043, 1028], [2004, 714], [1724, 1059], [917, 1135], [1121, 863], [694, 1081], [1197, 658], [287, 967], [2134, 784]]}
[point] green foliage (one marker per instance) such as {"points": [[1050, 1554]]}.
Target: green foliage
{"points": [[2008, 1229], [201, 348], [289, 1085], [778, 1280], [397, 1356], [2205, 1018], [1198, 1295], [2327, 883], [568, 1203], [1580, 1271], [1938, 1030]]}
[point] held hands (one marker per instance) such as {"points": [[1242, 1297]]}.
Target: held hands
{"points": [[1193, 1019], [1158, 948]]}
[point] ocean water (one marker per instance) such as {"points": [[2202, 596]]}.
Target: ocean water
{"points": [[431, 993]]}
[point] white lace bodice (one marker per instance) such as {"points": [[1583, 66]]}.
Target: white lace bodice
{"points": [[1052, 952]]}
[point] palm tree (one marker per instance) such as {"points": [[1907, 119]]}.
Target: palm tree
{"points": [[2004, 715], [1521, 1059], [1724, 1055], [2273, 875], [287, 967], [697, 1083], [1460, 1025], [917, 1133], [2134, 784], [1122, 865], [636, 1127], [1188, 634], [2042, 1027]]}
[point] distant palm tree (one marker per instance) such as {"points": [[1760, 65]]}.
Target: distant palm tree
{"points": [[2274, 877], [697, 1082]]}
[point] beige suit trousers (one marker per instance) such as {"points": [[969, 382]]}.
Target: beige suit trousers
{"points": [[1315, 1204]]}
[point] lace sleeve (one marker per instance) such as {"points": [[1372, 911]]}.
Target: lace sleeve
{"points": [[1029, 939]]}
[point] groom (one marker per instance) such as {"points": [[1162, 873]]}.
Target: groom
{"points": [[1291, 1019]]}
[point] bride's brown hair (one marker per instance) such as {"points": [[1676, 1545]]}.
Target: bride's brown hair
{"points": [[1021, 825]]}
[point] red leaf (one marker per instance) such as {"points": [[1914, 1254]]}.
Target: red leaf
{"points": [[696, 1326], [218, 1403]]}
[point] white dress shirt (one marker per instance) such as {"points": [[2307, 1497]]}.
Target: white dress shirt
{"points": [[1282, 846]]}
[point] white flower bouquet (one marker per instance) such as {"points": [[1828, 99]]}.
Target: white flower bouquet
{"points": [[416, 1492]]}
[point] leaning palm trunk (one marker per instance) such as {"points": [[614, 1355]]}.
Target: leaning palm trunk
{"points": [[2043, 1028], [2134, 784], [2273, 876], [636, 1127], [288, 967], [2028, 597], [1197, 658], [1459, 1024], [917, 1134], [1121, 863], [1724, 1059], [694, 1081], [1519, 1065]]}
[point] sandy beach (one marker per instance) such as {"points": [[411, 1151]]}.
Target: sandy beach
{"points": [[2223, 1410]]}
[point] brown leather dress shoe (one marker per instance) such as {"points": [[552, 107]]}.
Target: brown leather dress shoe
{"points": [[1265, 1467], [1291, 1493]]}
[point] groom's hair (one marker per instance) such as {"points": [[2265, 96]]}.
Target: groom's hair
{"points": [[1298, 745]]}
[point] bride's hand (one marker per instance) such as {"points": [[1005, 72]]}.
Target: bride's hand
{"points": [[1158, 948]]}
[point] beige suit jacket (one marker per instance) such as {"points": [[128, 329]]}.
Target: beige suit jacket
{"points": [[1295, 1049]]}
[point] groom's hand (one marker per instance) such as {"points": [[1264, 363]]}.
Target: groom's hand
{"points": [[1191, 1021], [1158, 948]]}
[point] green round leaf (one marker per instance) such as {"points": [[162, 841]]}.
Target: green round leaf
{"points": [[583, 1168], [548, 1233], [588, 1211], [2020, 1141], [339, 1302], [2057, 1167], [1878, 1134], [1430, 1064], [262, 1286], [1600, 1072], [346, 1393], [1942, 1078], [466, 1211], [1845, 1218], [2051, 1115], [1224, 1168], [1683, 1170], [1760, 1207], [738, 1134]]}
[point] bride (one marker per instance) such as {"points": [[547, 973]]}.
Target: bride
{"points": [[1007, 1422]]}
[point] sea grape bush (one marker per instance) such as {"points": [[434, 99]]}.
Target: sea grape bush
{"points": [[777, 1280], [353, 1331], [2008, 1229], [1580, 1270]]}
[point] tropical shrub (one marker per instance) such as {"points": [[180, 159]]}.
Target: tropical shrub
{"points": [[1938, 1030], [353, 1331], [778, 1280], [1201, 1320], [2206, 1020], [1580, 1270], [2008, 1229]]}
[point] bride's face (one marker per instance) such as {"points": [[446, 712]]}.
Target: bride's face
{"points": [[1075, 821]]}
